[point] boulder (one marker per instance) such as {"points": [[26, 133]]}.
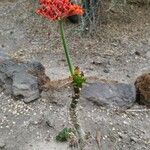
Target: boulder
{"points": [[110, 94]]}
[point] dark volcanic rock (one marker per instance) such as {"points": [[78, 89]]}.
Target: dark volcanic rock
{"points": [[9, 67], [35, 66], [23, 80], [26, 86], [109, 94]]}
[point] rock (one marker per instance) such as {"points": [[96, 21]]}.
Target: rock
{"points": [[50, 119], [106, 70], [109, 94], [2, 143], [34, 66], [142, 85], [26, 86], [9, 67], [137, 53], [134, 139], [22, 80], [148, 54], [36, 119], [37, 69]]}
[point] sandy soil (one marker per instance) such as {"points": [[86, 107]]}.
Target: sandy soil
{"points": [[119, 50]]}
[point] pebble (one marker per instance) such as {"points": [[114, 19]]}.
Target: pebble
{"points": [[133, 139], [106, 70], [128, 76], [125, 122], [137, 53], [148, 54], [113, 129], [2, 143], [97, 63]]}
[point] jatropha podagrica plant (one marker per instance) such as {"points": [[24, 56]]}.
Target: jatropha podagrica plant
{"points": [[58, 10]]}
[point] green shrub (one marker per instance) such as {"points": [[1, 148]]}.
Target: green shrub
{"points": [[64, 135]]}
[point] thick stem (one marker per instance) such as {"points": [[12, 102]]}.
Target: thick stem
{"points": [[74, 118], [71, 68]]}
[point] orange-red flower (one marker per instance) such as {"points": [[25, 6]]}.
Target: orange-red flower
{"points": [[58, 9]]}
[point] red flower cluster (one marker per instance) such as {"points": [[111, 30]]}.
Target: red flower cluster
{"points": [[58, 9]]}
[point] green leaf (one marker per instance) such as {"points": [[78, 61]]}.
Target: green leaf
{"points": [[78, 80], [64, 135]]}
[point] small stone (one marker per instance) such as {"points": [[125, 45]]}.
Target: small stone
{"points": [[148, 54], [133, 139], [128, 76], [11, 32], [137, 53], [122, 136], [114, 44], [113, 129], [2, 143], [97, 63], [106, 70]]}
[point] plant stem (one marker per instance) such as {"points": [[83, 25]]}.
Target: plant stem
{"points": [[74, 118], [71, 68]]}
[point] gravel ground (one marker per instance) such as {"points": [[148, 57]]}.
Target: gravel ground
{"points": [[120, 50]]}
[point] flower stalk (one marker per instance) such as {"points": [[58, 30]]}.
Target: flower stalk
{"points": [[69, 61], [59, 10]]}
